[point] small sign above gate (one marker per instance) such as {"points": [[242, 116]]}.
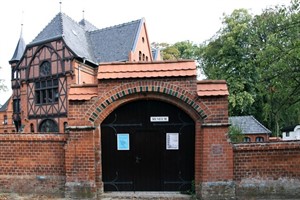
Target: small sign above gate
{"points": [[159, 119]]}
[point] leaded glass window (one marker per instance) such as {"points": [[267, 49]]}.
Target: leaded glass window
{"points": [[45, 69], [48, 125]]}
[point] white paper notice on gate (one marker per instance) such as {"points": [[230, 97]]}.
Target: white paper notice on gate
{"points": [[172, 141]]}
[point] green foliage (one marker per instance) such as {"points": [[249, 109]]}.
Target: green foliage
{"points": [[3, 87], [235, 134], [179, 50], [259, 57]]}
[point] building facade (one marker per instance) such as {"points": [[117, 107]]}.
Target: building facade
{"points": [[121, 120], [252, 130], [94, 111]]}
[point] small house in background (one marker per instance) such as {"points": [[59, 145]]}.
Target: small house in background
{"points": [[291, 133], [252, 129], [6, 121]]}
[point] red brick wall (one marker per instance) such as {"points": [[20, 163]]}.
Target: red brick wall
{"points": [[213, 153], [268, 160], [265, 169], [217, 155], [32, 162]]}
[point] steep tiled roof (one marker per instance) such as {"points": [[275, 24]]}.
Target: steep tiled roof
{"points": [[89, 42], [114, 43], [5, 105], [147, 69], [87, 26], [249, 125], [83, 92], [212, 88], [73, 34], [19, 50]]}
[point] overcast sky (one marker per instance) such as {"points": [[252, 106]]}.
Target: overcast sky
{"points": [[166, 20]]}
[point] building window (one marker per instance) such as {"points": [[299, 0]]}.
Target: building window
{"points": [[5, 120], [16, 105], [45, 69], [31, 128], [140, 56], [287, 134], [247, 139], [143, 39], [46, 92], [143, 57], [259, 139], [48, 125], [65, 127]]}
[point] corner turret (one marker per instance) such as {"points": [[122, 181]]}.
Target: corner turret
{"points": [[19, 50]]}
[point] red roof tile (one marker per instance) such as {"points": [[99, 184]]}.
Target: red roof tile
{"points": [[212, 88], [83, 92], [146, 69]]}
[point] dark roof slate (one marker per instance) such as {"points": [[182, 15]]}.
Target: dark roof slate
{"points": [[19, 50], [73, 34], [114, 43], [89, 42], [5, 105], [249, 125], [87, 26]]}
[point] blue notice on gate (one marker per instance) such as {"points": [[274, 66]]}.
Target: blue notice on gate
{"points": [[123, 141]]}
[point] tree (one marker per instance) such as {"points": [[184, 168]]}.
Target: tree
{"points": [[3, 87], [228, 56], [259, 57], [235, 134], [179, 50]]}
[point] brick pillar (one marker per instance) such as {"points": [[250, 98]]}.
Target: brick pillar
{"points": [[80, 164], [217, 164]]}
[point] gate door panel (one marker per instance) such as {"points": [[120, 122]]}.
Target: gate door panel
{"points": [[147, 146]]}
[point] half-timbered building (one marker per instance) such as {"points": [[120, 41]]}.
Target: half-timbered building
{"points": [[116, 118], [67, 53]]}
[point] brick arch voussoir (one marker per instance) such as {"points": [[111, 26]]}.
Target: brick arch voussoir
{"points": [[113, 98]]}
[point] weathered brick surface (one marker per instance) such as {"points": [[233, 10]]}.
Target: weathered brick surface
{"points": [[32, 162], [265, 169], [213, 153]]}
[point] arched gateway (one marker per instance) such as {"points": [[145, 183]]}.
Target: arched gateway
{"points": [[149, 127], [148, 145]]}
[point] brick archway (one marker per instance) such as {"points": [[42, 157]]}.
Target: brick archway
{"points": [[142, 90]]}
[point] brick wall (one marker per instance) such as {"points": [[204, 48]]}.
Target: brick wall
{"points": [[32, 162], [81, 164], [265, 169]]}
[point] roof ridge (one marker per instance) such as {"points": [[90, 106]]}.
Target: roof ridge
{"points": [[115, 26], [260, 124], [75, 22], [57, 15]]}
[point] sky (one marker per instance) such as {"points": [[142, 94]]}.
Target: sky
{"points": [[167, 21]]}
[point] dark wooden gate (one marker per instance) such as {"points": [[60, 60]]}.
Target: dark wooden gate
{"points": [[148, 146]]}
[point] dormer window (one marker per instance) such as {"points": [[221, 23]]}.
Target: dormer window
{"points": [[45, 68]]}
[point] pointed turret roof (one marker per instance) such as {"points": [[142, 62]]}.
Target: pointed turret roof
{"points": [[19, 50], [89, 42]]}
